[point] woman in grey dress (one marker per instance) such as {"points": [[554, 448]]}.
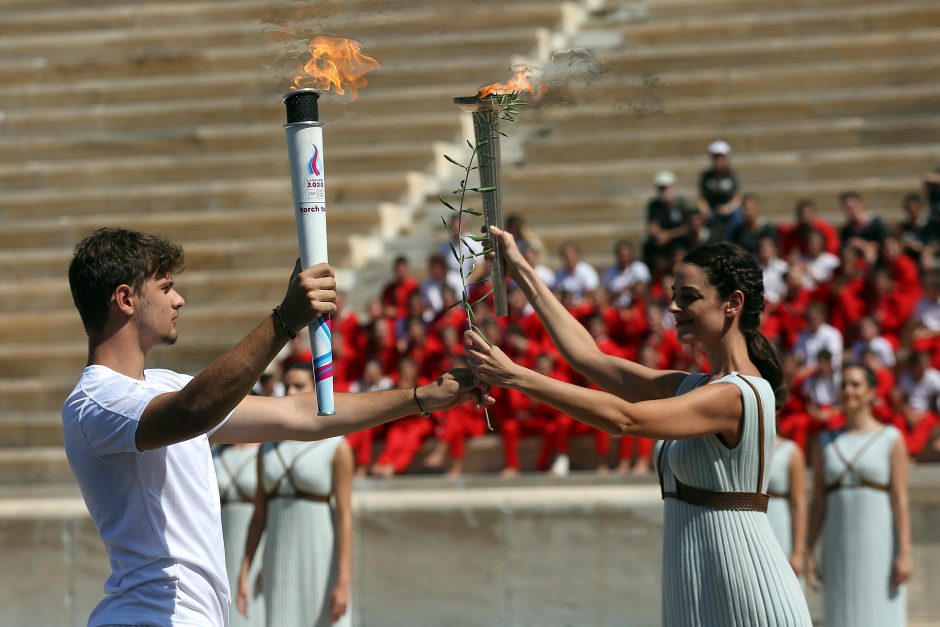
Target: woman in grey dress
{"points": [[721, 562], [787, 507], [235, 469], [860, 507], [304, 503]]}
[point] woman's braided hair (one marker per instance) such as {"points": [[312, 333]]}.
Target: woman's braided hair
{"points": [[729, 268]]}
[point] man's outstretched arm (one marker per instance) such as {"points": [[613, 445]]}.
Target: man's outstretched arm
{"points": [[212, 394], [263, 419]]}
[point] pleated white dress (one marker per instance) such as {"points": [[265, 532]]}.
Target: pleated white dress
{"points": [[237, 475], [778, 486], [300, 557], [859, 537], [725, 567]]}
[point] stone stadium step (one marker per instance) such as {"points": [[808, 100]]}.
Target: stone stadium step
{"points": [[35, 464], [256, 285], [799, 135], [639, 11], [20, 430], [60, 174], [732, 54], [773, 23], [197, 319], [212, 195], [789, 79], [180, 36], [754, 170], [35, 395]]}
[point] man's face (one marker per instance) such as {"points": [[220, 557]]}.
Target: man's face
{"points": [[158, 308]]}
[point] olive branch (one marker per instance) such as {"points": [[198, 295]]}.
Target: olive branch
{"points": [[507, 107]]}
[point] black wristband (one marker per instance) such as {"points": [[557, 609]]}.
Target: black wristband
{"points": [[279, 319], [418, 403]]}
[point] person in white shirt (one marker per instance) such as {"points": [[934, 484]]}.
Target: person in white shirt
{"points": [[870, 339], [575, 276], [627, 271], [819, 263], [138, 439], [774, 270], [439, 277], [818, 336]]}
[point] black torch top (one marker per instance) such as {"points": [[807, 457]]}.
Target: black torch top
{"points": [[302, 106], [475, 104]]}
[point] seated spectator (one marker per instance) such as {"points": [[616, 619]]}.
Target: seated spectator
{"points": [[904, 273], [794, 237], [396, 293], [533, 254], [346, 322], [577, 277], [661, 337], [792, 415], [784, 321], [817, 337], [666, 222], [916, 399], [426, 351], [774, 269], [626, 271], [455, 426], [923, 328], [887, 305], [884, 388], [522, 231], [820, 395], [870, 339], [636, 454], [439, 277], [913, 231], [468, 265], [698, 234], [403, 438], [752, 228], [372, 380], [382, 344], [932, 191], [861, 230], [719, 195], [847, 292], [820, 265]]}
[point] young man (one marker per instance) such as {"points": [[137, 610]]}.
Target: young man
{"points": [[138, 440]]}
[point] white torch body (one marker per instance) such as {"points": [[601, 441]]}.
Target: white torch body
{"points": [[308, 181]]}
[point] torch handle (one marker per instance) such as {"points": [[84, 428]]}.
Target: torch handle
{"points": [[485, 129], [305, 152]]}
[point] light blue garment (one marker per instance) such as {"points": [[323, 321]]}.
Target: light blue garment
{"points": [[778, 510], [300, 556], [723, 567], [236, 470], [859, 537]]}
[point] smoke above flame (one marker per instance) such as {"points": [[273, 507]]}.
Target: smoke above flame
{"points": [[336, 64]]}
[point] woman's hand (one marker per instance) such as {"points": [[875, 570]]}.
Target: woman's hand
{"points": [[339, 601], [902, 569], [512, 256], [241, 601], [489, 363], [813, 576], [798, 563]]}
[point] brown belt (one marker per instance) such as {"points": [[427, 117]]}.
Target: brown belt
{"points": [[862, 483], [305, 496], [778, 495], [736, 501]]}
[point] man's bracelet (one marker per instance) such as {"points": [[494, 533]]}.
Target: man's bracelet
{"points": [[279, 319], [418, 403]]}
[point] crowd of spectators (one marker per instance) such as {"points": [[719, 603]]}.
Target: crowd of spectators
{"points": [[863, 291]]}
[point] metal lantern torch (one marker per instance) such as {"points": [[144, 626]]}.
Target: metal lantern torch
{"points": [[486, 132], [305, 152]]}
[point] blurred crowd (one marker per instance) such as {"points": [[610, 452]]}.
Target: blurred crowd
{"points": [[862, 291]]}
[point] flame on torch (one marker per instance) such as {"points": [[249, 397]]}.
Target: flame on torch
{"points": [[336, 64], [524, 78]]}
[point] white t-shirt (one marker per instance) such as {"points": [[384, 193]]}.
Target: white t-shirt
{"points": [[922, 395], [927, 313], [619, 281], [808, 345], [582, 279], [157, 511], [819, 269], [822, 391], [775, 287]]}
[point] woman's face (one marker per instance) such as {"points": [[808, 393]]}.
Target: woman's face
{"points": [[297, 381], [699, 311], [857, 394]]}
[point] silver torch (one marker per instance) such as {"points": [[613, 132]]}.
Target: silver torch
{"points": [[305, 152]]}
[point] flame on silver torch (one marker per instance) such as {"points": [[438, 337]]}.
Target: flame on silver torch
{"points": [[486, 133], [305, 152]]}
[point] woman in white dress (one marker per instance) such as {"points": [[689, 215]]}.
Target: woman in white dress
{"points": [[787, 507], [722, 564], [304, 503], [860, 507]]}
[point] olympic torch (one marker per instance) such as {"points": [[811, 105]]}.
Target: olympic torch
{"points": [[305, 153]]}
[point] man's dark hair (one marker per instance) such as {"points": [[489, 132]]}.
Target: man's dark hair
{"points": [[110, 257], [849, 195]]}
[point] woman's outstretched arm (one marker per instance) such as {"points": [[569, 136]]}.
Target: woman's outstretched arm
{"points": [[259, 520]]}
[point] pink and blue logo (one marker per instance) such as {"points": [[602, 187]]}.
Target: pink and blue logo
{"points": [[314, 165]]}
